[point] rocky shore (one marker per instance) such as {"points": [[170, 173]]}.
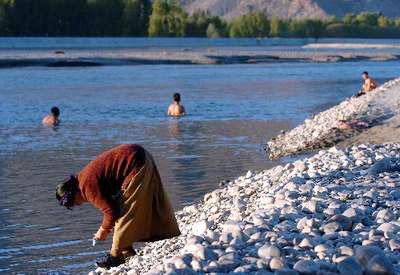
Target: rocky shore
{"points": [[337, 212], [322, 130]]}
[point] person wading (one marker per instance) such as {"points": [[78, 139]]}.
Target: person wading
{"points": [[176, 108], [52, 119], [125, 185]]}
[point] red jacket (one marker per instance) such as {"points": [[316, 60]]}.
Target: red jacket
{"points": [[101, 180]]}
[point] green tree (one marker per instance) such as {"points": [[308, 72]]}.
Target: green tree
{"points": [[167, 19], [4, 28], [212, 31], [384, 22], [349, 19], [136, 17], [297, 28], [367, 19], [196, 25], [105, 17], [314, 28], [254, 24], [278, 27]]}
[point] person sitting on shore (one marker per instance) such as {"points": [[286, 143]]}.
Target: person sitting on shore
{"points": [[125, 185], [352, 125], [52, 119], [369, 84], [176, 108]]}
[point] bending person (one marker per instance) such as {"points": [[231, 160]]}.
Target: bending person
{"points": [[125, 185]]}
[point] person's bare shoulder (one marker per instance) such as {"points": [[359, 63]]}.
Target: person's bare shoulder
{"points": [[47, 121], [170, 109]]}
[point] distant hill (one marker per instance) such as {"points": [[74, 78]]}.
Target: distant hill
{"points": [[230, 9]]}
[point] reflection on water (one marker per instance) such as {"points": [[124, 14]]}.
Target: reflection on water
{"points": [[232, 110]]}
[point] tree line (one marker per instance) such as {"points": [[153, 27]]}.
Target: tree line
{"points": [[166, 18]]}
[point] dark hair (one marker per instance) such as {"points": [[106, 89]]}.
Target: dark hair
{"points": [[177, 97], [366, 73], [66, 192], [55, 111]]}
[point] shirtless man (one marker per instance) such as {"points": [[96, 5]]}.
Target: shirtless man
{"points": [[352, 125], [52, 119], [176, 109], [369, 83]]}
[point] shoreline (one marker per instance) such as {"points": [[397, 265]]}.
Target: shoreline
{"points": [[184, 56], [320, 131], [334, 212]]}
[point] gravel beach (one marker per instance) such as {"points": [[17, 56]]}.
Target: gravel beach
{"points": [[336, 212], [375, 108]]}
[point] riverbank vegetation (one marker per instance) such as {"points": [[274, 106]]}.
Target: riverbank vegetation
{"points": [[166, 18]]}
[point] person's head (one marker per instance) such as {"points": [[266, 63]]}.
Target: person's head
{"points": [[365, 75], [66, 192], [55, 111], [177, 97]]}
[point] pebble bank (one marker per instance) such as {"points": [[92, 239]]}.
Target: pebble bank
{"points": [[321, 130], [337, 212]]}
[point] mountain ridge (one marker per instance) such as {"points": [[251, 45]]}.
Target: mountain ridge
{"points": [[230, 9]]}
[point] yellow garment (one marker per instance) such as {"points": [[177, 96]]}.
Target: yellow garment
{"points": [[146, 213]]}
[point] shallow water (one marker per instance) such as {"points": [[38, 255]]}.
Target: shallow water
{"points": [[233, 110]]}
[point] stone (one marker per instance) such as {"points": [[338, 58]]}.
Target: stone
{"points": [[385, 165], [344, 222], [331, 227], [228, 262], [196, 265], [320, 248], [286, 272], [276, 263], [306, 267], [388, 228], [310, 207], [394, 245], [385, 215], [345, 250], [379, 265], [232, 227], [300, 166], [268, 251], [364, 254], [200, 228], [200, 252], [245, 268], [306, 244], [350, 266], [354, 214]]}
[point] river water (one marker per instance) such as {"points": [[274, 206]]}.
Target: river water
{"points": [[232, 111]]}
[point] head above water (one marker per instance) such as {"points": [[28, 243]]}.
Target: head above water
{"points": [[177, 97], [55, 111], [67, 191], [365, 75]]}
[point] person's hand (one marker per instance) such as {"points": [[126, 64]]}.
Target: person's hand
{"points": [[101, 234]]}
